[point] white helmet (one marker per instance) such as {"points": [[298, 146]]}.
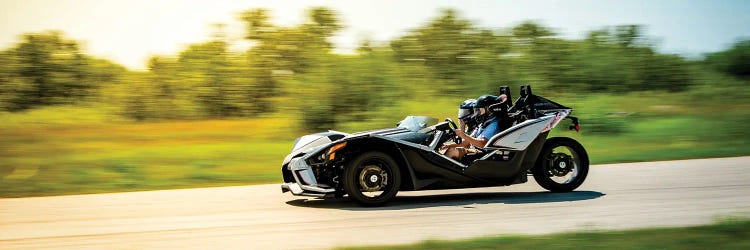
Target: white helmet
{"points": [[466, 108]]}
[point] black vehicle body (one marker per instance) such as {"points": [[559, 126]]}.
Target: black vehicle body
{"points": [[318, 163]]}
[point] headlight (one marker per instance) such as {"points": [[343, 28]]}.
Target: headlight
{"points": [[332, 151]]}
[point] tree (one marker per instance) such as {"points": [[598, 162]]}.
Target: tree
{"points": [[617, 59], [292, 56], [453, 48], [324, 23], [51, 65], [257, 24], [47, 69], [734, 61], [665, 72], [529, 33], [627, 35]]}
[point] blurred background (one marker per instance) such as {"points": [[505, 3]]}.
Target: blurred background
{"points": [[187, 94]]}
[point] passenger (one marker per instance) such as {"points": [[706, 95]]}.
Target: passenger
{"points": [[474, 143], [466, 115]]}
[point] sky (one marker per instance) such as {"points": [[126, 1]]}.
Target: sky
{"points": [[130, 31]]}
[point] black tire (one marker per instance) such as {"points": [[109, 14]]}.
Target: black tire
{"points": [[551, 164], [360, 171]]}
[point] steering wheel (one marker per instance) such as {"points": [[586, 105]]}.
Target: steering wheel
{"points": [[451, 131]]}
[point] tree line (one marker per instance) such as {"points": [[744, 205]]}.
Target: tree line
{"points": [[293, 69]]}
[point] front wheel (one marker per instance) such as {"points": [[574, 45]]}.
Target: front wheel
{"points": [[372, 179], [562, 165]]}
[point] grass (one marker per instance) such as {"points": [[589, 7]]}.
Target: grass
{"points": [[730, 234], [51, 159], [666, 138], [72, 150]]}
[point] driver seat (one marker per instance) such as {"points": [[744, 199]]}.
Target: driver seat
{"points": [[501, 110], [505, 90], [524, 105]]}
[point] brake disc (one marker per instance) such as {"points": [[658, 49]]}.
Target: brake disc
{"points": [[372, 178], [562, 164]]}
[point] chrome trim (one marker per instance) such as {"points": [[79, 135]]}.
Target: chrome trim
{"points": [[304, 179], [302, 172], [318, 189], [297, 190], [293, 187]]}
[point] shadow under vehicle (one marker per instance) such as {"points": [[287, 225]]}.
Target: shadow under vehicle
{"points": [[372, 166], [468, 198]]}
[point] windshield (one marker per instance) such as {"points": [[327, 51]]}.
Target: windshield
{"points": [[415, 123]]}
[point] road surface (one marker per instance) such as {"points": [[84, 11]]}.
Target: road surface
{"points": [[615, 196]]}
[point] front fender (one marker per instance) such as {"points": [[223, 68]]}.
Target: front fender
{"points": [[393, 148]]}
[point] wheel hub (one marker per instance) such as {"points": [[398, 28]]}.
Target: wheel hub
{"points": [[373, 178], [562, 164]]}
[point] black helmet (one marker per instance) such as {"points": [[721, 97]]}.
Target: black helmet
{"points": [[487, 100]]}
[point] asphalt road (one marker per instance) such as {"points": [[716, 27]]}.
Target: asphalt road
{"points": [[616, 196]]}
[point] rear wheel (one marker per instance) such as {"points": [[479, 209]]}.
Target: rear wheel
{"points": [[562, 166], [372, 179]]}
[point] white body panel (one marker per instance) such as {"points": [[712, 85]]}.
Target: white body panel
{"points": [[559, 116], [521, 135]]}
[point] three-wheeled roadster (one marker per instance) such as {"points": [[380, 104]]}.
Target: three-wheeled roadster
{"points": [[371, 167]]}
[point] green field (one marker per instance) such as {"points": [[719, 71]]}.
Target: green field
{"points": [[73, 150], [724, 235], [219, 112]]}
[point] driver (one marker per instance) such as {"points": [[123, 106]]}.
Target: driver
{"points": [[473, 143]]}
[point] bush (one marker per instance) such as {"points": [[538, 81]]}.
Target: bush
{"points": [[605, 124]]}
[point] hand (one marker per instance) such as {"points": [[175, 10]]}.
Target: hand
{"points": [[460, 133], [449, 146]]}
